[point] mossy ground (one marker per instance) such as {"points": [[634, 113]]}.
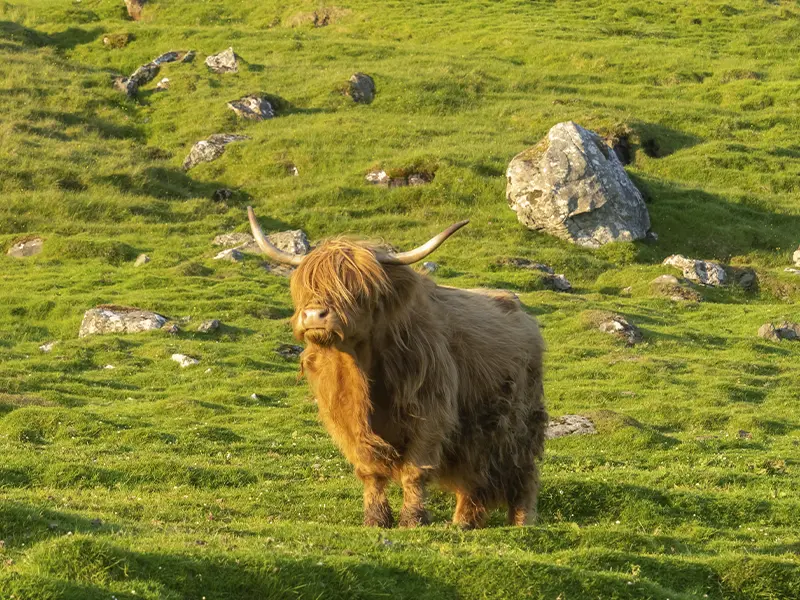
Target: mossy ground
{"points": [[217, 481]]}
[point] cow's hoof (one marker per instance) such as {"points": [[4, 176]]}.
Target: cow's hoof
{"points": [[414, 517], [378, 515]]}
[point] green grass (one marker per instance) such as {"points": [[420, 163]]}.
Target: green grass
{"points": [[151, 481]]}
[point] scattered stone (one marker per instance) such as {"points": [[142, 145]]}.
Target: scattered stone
{"points": [[185, 361], [666, 280], [126, 86], [252, 107], [236, 240], [416, 179], [109, 367], [167, 57], [224, 62], [784, 331], [279, 270], [651, 237], [291, 169], [430, 267], [142, 259], [171, 328], [626, 291], [569, 425], [377, 178], [26, 248], [209, 326], [231, 254], [134, 8], [573, 186], [294, 241], [222, 195], [559, 283], [362, 88], [119, 319], [700, 271], [188, 57], [163, 85], [210, 149], [117, 40], [48, 346], [145, 74], [619, 326], [289, 351], [671, 287], [744, 435], [747, 280], [796, 257]]}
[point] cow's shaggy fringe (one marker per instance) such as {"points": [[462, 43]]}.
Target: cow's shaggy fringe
{"points": [[424, 383]]}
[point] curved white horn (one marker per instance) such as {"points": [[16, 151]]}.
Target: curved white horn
{"points": [[417, 254]]}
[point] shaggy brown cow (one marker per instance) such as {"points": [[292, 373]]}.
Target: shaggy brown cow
{"points": [[417, 382]]}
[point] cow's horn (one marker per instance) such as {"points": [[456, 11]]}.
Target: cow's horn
{"points": [[417, 254], [267, 247]]}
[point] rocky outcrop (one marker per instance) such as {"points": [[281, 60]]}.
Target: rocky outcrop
{"points": [[573, 186], [784, 331], [620, 327], [569, 425], [210, 149], [294, 241], [119, 319]]}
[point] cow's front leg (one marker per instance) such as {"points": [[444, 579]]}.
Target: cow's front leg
{"points": [[377, 512], [413, 512]]}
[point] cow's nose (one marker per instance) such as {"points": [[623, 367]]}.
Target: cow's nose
{"points": [[315, 317]]}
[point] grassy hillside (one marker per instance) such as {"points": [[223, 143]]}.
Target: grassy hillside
{"points": [[217, 481]]}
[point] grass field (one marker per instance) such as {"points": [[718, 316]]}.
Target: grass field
{"points": [[217, 481]]}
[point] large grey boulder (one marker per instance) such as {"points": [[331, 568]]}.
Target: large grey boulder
{"points": [[119, 319], [210, 149], [26, 248], [254, 108], [704, 272], [224, 62], [361, 88], [573, 186]]}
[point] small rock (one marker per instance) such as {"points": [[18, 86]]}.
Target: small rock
{"points": [[26, 248], [279, 270], [293, 241], [126, 86], [142, 259], [700, 271], [252, 107], [185, 361], [291, 169], [163, 85], [96, 522], [416, 179], [796, 257], [377, 178], [430, 267], [254, 396], [145, 74], [209, 326], [289, 351], [747, 280], [210, 149], [651, 237], [171, 328], [235, 240], [619, 326], [524, 263], [784, 331], [109, 367], [362, 88], [559, 283], [231, 254], [117, 40], [188, 57], [119, 319], [224, 62], [221, 195], [134, 8], [48, 346], [569, 425], [168, 57], [744, 435], [666, 280]]}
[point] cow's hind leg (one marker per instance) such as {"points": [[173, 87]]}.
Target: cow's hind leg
{"points": [[522, 501], [470, 511], [413, 512], [377, 512]]}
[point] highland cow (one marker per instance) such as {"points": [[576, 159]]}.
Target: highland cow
{"points": [[420, 383]]}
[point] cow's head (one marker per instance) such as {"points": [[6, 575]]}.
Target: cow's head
{"points": [[342, 286]]}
